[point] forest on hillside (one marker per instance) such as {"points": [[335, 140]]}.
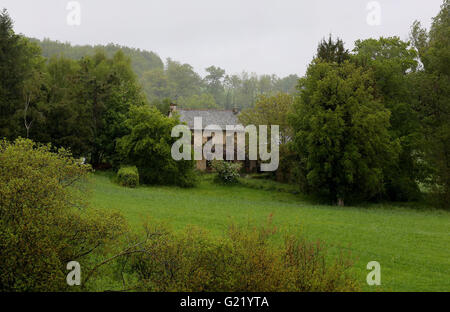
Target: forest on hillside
{"points": [[179, 82]]}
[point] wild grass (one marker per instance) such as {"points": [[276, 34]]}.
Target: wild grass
{"points": [[412, 244]]}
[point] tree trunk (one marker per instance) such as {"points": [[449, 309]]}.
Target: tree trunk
{"points": [[27, 124]]}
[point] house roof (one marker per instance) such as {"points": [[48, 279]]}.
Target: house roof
{"points": [[220, 118]]}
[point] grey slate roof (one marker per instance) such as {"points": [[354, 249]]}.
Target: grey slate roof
{"points": [[221, 118]]}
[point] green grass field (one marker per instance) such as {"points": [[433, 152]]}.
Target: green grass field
{"points": [[412, 245]]}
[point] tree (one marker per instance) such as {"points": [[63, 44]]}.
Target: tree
{"points": [[67, 116], [125, 93], [205, 100], [287, 84], [248, 91], [18, 58], [162, 105], [87, 102], [155, 84], [392, 62], [432, 94], [274, 110], [341, 133], [106, 89], [271, 110], [141, 60], [332, 51], [148, 147], [214, 83], [183, 80], [266, 84], [32, 95], [231, 84]]}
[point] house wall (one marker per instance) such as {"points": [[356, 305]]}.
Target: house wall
{"points": [[249, 166], [201, 164]]}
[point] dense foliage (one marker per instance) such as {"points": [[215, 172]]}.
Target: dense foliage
{"points": [[142, 60], [244, 261], [274, 110], [432, 99], [391, 60], [21, 81], [44, 220], [128, 176], [81, 105], [395, 138], [180, 82], [332, 51], [341, 133], [148, 147], [271, 110], [227, 171]]}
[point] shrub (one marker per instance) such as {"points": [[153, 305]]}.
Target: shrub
{"points": [[245, 261], [45, 222], [227, 172], [128, 176]]}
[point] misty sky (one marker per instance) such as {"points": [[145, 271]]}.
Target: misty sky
{"points": [[261, 36]]}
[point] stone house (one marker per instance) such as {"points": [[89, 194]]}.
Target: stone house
{"points": [[217, 117]]}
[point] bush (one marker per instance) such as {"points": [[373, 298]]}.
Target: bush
{"points": [[227, 172], [128, 176], [45, 222], [244, 261]]}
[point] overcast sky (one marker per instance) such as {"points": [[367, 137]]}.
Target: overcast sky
{"points": [[261, 36]]}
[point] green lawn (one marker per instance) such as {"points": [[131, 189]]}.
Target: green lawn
{"points": [[412, 245]]}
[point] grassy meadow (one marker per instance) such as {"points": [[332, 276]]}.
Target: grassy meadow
{"points": [[411, 244]]}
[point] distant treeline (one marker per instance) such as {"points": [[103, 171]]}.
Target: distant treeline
{"points": [[179, 82]]}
